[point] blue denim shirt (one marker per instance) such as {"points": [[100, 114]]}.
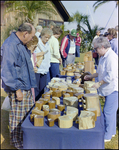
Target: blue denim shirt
{"points": [[16, 67]]}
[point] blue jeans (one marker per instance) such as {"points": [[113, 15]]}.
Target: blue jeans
{"points": [[77, 51], [54, 70], [110, 111], [41, 84]]}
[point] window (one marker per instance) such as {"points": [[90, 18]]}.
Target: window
{"points": [[44, 22]]}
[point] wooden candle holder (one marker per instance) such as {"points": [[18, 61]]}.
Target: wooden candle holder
{"points": [[39, 104], [38, 120], [57, 93], [86, 120], [37, 111], [61, 107], [53, 115], [79, 95], [50, 122], [56, 99], [32, 117], [44, 100], [51, 104], [70, 92]]}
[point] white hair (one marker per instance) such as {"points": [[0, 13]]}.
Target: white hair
{"points": [[38, 28]]}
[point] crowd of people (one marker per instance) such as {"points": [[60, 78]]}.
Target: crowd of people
{"points": [[112, 36], [31, 58]]}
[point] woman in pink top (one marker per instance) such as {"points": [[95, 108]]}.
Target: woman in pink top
{"points": [[78, 43]]}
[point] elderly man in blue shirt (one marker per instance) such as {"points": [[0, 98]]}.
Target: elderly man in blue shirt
{"points": [[107, 86], [18, 78]]}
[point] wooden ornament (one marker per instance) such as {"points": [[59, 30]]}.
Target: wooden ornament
{"points": [[44, 100], [78, 90], [46, 112], [72, 111], [49, 93], [89, 66], [62, 89], [71, 101], [77, 75], [61, 107], [32, 117], [69, 73], [57, 93], [54, 88], [45, 107], [65, 121], [86, 120], [79, 95], [91, 90], [39, 104], [46, 97], [54, 110], [94, 111], [51, 104], [70, 92], [92, 101], [38, 120], [62, 72], [88, 84], [50, 122], [56, 99], [66, 95], [53, 115], [37, 111]]}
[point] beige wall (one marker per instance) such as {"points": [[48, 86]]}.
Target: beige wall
{"points": [[9, 18]]}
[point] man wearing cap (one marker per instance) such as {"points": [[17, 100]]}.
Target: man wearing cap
{"points": [[68, 48]]}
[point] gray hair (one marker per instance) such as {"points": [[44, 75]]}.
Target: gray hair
{"points": [[25, 27], [46, 31], [101, 41], [117, 28], [51, 24], [38, 28]]}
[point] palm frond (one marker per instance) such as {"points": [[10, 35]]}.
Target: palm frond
{"points": [[100, 3]]}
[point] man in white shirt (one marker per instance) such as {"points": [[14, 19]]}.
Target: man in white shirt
{"points": [[68, 48]]}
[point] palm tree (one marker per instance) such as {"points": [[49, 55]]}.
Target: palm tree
{"points": [[99, 3], [78, 17], [27, 10], [89, 33]]}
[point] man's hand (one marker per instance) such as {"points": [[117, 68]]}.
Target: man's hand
{"points": [[96, 85], [19, 95], [60, 60]]}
